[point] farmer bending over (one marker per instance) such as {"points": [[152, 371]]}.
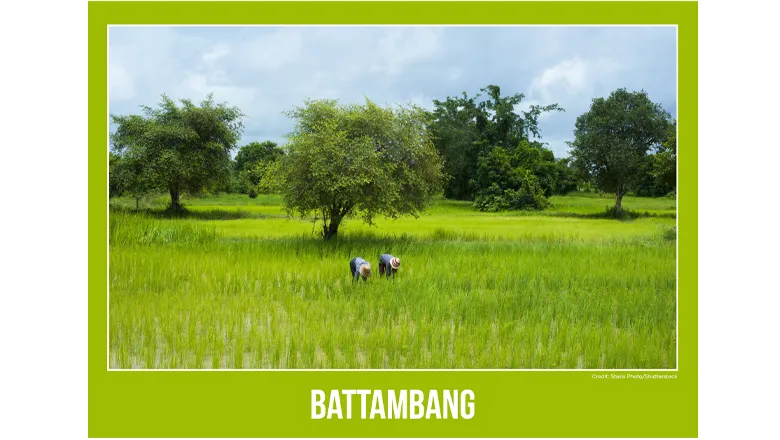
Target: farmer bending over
{"points": [[388, 264], [359, 268]]}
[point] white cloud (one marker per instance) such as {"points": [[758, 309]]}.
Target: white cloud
{"points": [[401, 47], [216, 52], [569, 72], [421, 100], [575, 76], [571, 83], [120, 82], [197, 86], [272, 51]]}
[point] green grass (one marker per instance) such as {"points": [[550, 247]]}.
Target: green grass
{"points": [[595, 204], [475, 290]]}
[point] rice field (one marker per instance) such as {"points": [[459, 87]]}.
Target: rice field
{"points": [[237, 285]]}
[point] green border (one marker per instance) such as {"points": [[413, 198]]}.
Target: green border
{"points": [[507, 404]]}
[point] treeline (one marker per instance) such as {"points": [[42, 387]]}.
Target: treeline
{"points": [[488, 151], [493, 154]]}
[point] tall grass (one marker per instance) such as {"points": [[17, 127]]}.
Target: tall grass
{"points": [[195, 293], [145, 230]]}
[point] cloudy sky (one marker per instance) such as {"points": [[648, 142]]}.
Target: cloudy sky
{"points": [[267, 70]]}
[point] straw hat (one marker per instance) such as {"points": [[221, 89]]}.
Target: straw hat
{"points": [[365, 270], [395, 262]]}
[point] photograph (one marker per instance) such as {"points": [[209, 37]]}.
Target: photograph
{"points": [[392, 197]]}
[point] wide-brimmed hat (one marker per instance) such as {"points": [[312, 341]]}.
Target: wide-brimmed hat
{"points": [[365, 270], [395, 262]]}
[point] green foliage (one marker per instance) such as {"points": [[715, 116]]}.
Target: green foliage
{"points": [[527, 196], [620, 214], [519, 178], [540, 162], [117, 175], [251, 154], [458, 141], [254, 174], [466, 128], [236, 182], [180, 148], [664, 167], [356, 160], [646, 183], [567, 177], [252, 161], [127, 176], [612, 139]]}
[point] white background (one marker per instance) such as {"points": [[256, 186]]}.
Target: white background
{"points": [[43, 215]]}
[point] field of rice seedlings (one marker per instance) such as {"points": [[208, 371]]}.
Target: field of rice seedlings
{"points": [[236, 284]]}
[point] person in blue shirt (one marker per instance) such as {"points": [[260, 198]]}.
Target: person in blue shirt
{"points": [[388, 265], [359, 268]]}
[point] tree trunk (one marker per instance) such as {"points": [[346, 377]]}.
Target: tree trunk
{"points": [[330, 230], [136, 203], [175, 205], [619, 202]]}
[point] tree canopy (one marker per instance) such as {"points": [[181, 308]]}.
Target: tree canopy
{"points": [[179, 148], [466, 130], [251, 162], [126, 176], [251, 154], [522, 177], [356, 161], [665, 159]]}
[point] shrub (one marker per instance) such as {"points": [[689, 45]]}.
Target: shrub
{"points": [[529, 196], [625, 214]]}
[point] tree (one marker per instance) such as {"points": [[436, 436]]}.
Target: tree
{"points": [[465, 128], [249, 155], [117, 181], [251, 161], [518, 178], [181, 149], [611, 140], [567, 177], [356, 160], [235, 181], [459, 142], [665, 159], [646, 184], [538, 160], [126, 176]]}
